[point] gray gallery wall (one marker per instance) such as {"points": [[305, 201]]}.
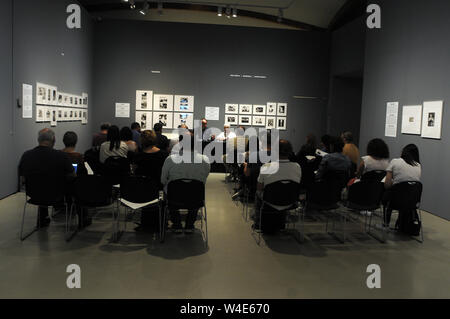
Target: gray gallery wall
{"points": [[346, 73], [198, 59], [408, 60], [40, 40], [7, 166]]}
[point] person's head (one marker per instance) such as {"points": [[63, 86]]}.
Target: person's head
{"points": [[158, 128], [104, 127], [46, 137], [136, 126], [226, 128], [70, 139], [126, 134], [336, 144], [285, 149], [311, 140], [377, 148], [347, 137], [148, 139], [326, 141], [204, 123], [410, 154], [113, 137]]}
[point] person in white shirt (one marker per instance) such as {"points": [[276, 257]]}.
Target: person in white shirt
{"points": [[377, 158], [287, 170], [175, 168], [404, 169], [227, 134], [113, 146]]}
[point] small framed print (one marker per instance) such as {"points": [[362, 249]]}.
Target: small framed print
{"points": [[245, 120], [281, 123], [84, 118], [231, 108], [144, 100], [163, 103], [282, 109], [183, 119], [259, 110], [85, 100], [245, 109], [47, 114], [59, 114], [432, 119], [40, 113], [271, 108], [54, 120], [41, 93], [166, 118], [231, 119], [184, 103], [271, 122], [259, 120]]}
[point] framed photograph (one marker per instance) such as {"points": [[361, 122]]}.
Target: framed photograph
{"points": [[183, 118], [432, 119], [144, 100], [184, 103], [282, 109], [259, 120], [47, 114], [281, 123], [165, 118], [259, 110], [39, 113], [85, 100], [231, 108], [271, 108], [41, 94], [163, 102], [145, 120], [54, 120], [412, 119], [60, 99], [84, 119], [271, 122], [245, 109], [245, 120], [59, 114], [66, 114], [231, 119]]}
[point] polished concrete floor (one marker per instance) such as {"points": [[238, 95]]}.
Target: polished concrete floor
{"points": [[233, 266]]}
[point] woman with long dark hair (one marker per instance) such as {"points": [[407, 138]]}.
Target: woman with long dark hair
{"points": [[113, 145], [126, 135], [377, 158]]}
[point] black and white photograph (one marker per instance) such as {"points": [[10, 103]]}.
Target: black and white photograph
{"points": [[231, 108], [144, 100], [145, 120], [282, 109], [271, 122], [163, 102], [271, 108], [245, 120], [281, 123], [231, 119], [432, 119], [259, 110], [245, 108], [259, 120], [165, 118], [183, 118]]}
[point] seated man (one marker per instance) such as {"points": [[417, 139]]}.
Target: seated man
{"points": [[70, 140], [335, 161], [100, 138], [175, 168], [227, 134], [46, 162], [136, 130], [162, 141], [287, 170]]}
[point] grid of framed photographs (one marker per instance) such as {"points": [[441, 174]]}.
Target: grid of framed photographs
{"points": [[169, 110], [55, 106], [273, 115]]}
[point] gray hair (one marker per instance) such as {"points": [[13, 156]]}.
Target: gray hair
{"points": [[46, 135]]}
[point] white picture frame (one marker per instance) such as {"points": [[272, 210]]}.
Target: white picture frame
{"points": [[163, 102], [53, 119], [165, 117], [144, 100], [145, 120], [282, 109], [412, 119], [258, 120], [47, 114], [231, 119], [39, 113], [184, 103], [66, 114], [271, 108], [41, 93], [245, 109], [183, 118], [271, 122], [84, 119], [245, 120], [281, 123], [259, 110], [432, 119], [85, 97], [231, 108]]}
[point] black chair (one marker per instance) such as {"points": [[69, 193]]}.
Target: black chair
{"points": [[92, 192], [92, 157], [116, 168], [186, 194], [365, 195], [43, 191], [282, 193], [377, 175], [138, 192], [406, 198]]}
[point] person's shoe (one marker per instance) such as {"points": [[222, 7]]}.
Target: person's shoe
{"points": [[44, 223]]}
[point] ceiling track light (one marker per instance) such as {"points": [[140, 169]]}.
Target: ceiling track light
{"points": [[145, 8], [160, 8], [219, 11], [234, 12], [280, 15], [132, 4], [228, 11]]}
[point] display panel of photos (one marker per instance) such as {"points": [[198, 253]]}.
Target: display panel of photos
{"points": [[272, 115]]}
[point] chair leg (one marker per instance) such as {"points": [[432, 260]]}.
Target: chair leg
{"points": [[164, 224], [206, 226], [69, 234], [22, 236], [421, 225]]}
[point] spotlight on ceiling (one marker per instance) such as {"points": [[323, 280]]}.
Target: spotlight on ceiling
{"points": [[228, 12], [234, 12], [219, 11], [132, 4], [145, 8], [160, 8], [280, 15]]}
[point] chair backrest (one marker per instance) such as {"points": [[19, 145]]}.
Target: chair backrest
{"points": [[186, 194], [368, 192], [308, 175], [92, 157], [139, 189], [406, 195], [45, 190], [92, 190], [340, 178], [282, 193], [116, 168], [377, 175]]}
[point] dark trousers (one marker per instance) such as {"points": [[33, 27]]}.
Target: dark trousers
{"points": [[387, 212], [191, 217]]}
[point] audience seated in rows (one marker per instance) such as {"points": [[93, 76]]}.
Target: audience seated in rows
{"points": [[113, 147], [377, 158], [335, 161]]}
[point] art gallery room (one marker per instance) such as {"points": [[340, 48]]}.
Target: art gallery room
{"points": [[224, 149]]}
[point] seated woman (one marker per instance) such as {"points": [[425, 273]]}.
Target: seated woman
{"points": [[70, 140], [377, 158], [407, 168], [335, 162], [113, 145], [308, 149], [126, 135]]}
